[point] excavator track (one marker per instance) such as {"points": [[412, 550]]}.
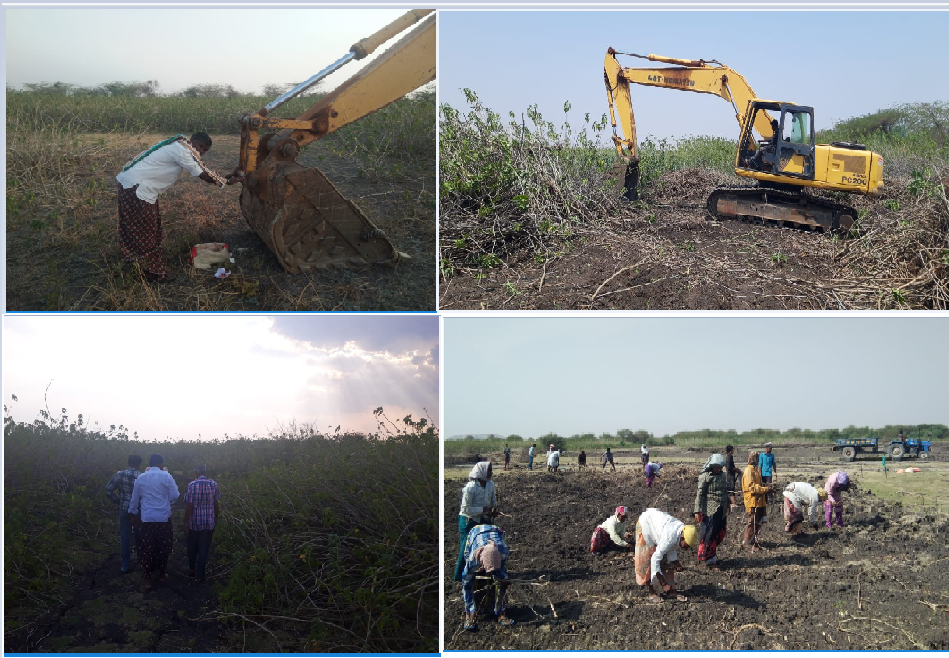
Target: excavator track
{"points": [[778, 208]]}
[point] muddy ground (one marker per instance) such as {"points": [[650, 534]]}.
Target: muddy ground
{"points": [[879, 583], [109, 613], [668, 253], [67, 259]]}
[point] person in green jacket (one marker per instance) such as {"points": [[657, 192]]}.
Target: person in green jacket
{"points": [[711, 510]]}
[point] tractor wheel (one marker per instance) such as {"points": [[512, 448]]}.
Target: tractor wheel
{"points": [[924, 455], [850, 453], [896, 452]]}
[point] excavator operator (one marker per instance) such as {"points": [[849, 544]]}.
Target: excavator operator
{"points": [[757, 161]]}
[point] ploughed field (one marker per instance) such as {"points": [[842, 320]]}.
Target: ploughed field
{"points": [[881, 582]]}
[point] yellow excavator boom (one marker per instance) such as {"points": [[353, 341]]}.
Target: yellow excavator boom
{"points": [[697, 75]]}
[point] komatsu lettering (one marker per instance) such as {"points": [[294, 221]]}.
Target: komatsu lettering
{"points": [[682, 82]]}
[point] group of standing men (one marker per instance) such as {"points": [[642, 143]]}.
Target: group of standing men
{"points": [[145, 501]]}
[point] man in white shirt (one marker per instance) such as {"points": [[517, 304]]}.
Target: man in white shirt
{"points": [[553, 459], [659, 536], [141, 181], [152, 495]]}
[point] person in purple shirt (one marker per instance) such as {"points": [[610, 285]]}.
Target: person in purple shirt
{"points": [[201, 515], [837, 483]]}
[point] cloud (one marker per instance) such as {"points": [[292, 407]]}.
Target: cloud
{"points": [[185, 375], [393, 334]]}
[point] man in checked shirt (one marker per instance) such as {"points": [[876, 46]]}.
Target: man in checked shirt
{"points": [[201, 514], [119, 490]]}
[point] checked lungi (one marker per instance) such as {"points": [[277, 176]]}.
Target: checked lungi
{"points": [[158, 538], [140, 232]]}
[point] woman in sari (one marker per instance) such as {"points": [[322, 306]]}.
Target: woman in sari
{"points": [[711, 510]]}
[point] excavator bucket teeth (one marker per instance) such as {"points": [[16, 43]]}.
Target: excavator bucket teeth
{"points": [[308, 224]]}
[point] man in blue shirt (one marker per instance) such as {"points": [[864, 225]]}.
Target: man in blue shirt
{"points": [[768, 468], [530, 457], [152, 495]]}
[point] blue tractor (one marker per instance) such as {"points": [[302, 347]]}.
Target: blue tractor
{"points": [[909, 448]]}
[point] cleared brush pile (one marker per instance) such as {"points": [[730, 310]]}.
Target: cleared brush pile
{"points": [[510, 240], [512, 190]]}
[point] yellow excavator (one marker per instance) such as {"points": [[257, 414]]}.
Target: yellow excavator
{"points": [[776, 148], [301, 216]]}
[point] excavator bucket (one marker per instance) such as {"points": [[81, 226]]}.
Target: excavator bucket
{"points": [[296, 211], [308, 224]]}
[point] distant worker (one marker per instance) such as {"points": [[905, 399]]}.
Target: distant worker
{"points": [[611, 534], [768, 466], [756, 507], [140, 183], [732, 475], [581, 460], [711, 510], [530, 456], [479, 501], [797, 497], [485, 552], [507, 456], [201, 514], [659, 536], [837, 483], [123, 482], [652, 470], [644, 454], [608, 459], [152, 495], [553, 459]]}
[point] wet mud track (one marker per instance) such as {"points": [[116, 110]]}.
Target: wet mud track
{"points": [[881, 582]]}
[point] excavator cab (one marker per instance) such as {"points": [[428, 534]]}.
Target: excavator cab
{"points": [[789, 148]]}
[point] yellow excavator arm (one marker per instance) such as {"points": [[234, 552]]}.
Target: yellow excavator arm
{"points": [[700, 76], [298, 212]]}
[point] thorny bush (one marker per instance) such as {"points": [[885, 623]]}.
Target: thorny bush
{"points": [[507, 187]]}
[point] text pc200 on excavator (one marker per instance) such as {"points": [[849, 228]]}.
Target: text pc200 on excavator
{"points": [[298, 212], [776, 147]]}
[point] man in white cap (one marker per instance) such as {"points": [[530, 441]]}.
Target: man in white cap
{"points": [[553, 459], [485, 554]]}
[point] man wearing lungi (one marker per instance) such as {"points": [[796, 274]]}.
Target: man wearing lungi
{"points": [[141, 181]]}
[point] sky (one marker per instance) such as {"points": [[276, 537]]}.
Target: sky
{"points": [[530, 376], [179, 47], [202, 377], [843, 64]]}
